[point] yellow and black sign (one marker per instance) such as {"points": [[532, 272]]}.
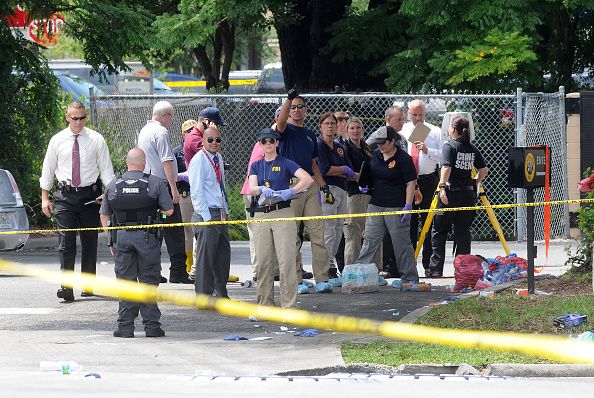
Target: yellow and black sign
{"points": [[527, 167]]}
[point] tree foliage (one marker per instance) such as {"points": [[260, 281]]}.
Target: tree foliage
{"points": [[209, 28]]}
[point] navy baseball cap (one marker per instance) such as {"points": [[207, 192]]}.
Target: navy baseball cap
{"points": [[212, 113], [268, 133]]}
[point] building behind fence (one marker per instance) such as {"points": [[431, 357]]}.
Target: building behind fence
{"points": [[500, 121]]}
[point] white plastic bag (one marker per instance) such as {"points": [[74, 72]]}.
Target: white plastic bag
{"points": [[359, 278]]}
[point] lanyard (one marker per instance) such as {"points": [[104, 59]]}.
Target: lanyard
{"points": [[219, 174]]}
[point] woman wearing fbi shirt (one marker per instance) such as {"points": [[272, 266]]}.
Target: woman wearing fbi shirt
{"points": [[391, 177], [456, 189], [270, 177]]}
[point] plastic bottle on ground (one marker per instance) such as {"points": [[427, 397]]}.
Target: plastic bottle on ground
{"points": [[64, 367]]}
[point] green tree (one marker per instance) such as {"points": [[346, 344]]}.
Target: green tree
{"points": [[108, 30], [209, 29]]}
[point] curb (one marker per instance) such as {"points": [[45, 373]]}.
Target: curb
{"points": [[495, 370]]}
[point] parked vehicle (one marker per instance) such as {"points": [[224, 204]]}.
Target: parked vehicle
{"points": [[13, 216], [76, 86], [271, 80], [139, 81], [185, 84]]}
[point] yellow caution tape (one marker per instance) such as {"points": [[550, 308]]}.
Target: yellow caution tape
{"points": [[333, 216], [202, 83], [555, 348]]}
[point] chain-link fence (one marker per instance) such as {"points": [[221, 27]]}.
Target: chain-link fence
{"points": [[544, 123], [120, 118]]}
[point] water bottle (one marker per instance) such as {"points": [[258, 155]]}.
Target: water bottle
{"points": [[587, 336], [64, 367]]}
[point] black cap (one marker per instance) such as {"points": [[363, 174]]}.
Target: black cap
{"points": [[212, 113], [268, 133]]}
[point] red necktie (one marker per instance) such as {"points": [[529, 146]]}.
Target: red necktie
{"points": [[75, 162], [414, 153]]}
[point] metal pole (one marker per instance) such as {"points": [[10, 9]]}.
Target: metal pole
{"points": [[530, 238], [520, 141], [565, 188], [92, 104]]}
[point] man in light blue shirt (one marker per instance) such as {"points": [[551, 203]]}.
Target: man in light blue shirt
{"points": [[206, 176]]}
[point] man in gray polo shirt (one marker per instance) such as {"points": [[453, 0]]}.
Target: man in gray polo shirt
{"points": [[154, 140]]}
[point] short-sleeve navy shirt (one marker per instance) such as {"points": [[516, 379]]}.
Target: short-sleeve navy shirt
{"points": [[328, 157], [461, 157], [388, 178], [357, 156], [299, 144], [278, 172]]}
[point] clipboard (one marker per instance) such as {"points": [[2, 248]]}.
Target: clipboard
{"points": [[419, 133]]}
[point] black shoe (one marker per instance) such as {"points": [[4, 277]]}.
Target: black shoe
{"points": [[388, 275], [66, 294], [163, 280], [435, 274], [126, 335], [277, 278], [155, 333], [306, 275], [181, 279], [332, 273], [87, 293]]}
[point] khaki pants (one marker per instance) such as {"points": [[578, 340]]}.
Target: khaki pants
{"points": [[276, 240], [353, 230], [185, 205], [334, 226], [308, 204], [250, 228]]}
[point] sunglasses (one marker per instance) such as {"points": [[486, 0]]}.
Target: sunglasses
{"points": [[265, 141], [78, 118], [210, 140], [300, 106]]}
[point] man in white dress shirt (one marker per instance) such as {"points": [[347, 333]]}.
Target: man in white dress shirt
{"points": [[426, 156], [76, 156]]}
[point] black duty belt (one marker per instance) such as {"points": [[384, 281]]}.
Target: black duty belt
{"points": [[69, 188], [268, 209], [466, 188], [423, 176]]}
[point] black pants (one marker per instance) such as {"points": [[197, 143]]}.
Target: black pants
{"points": [[427, 185], [175, 242], [70, 211], [462, 221], [138, 258]]}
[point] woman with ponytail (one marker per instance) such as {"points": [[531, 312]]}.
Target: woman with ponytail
{"points": [[456, 189]]}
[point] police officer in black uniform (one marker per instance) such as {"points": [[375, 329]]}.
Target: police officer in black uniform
{"points": [[456, 189], [134, 199]]}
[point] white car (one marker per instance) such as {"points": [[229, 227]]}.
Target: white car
{"points": [[13, 216]]}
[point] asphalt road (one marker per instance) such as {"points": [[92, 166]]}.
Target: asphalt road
{"points": [[193, 358]]}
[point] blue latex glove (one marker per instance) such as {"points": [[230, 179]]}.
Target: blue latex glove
{"points": [[183, 177], [364, 189], [287, 194], [308, 333], [406, 217], [234, 337], [349, 172], [267, 192]]}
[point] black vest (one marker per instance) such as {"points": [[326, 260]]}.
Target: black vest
{"points": [[132, 204]]}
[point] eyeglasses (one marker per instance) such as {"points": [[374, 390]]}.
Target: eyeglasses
{"points": [[299, 106], [210, 140], [329, 123], [265, 141], [76, 119]]}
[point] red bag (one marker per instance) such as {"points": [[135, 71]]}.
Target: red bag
{"points": [[467, 271], [519, 261]]}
